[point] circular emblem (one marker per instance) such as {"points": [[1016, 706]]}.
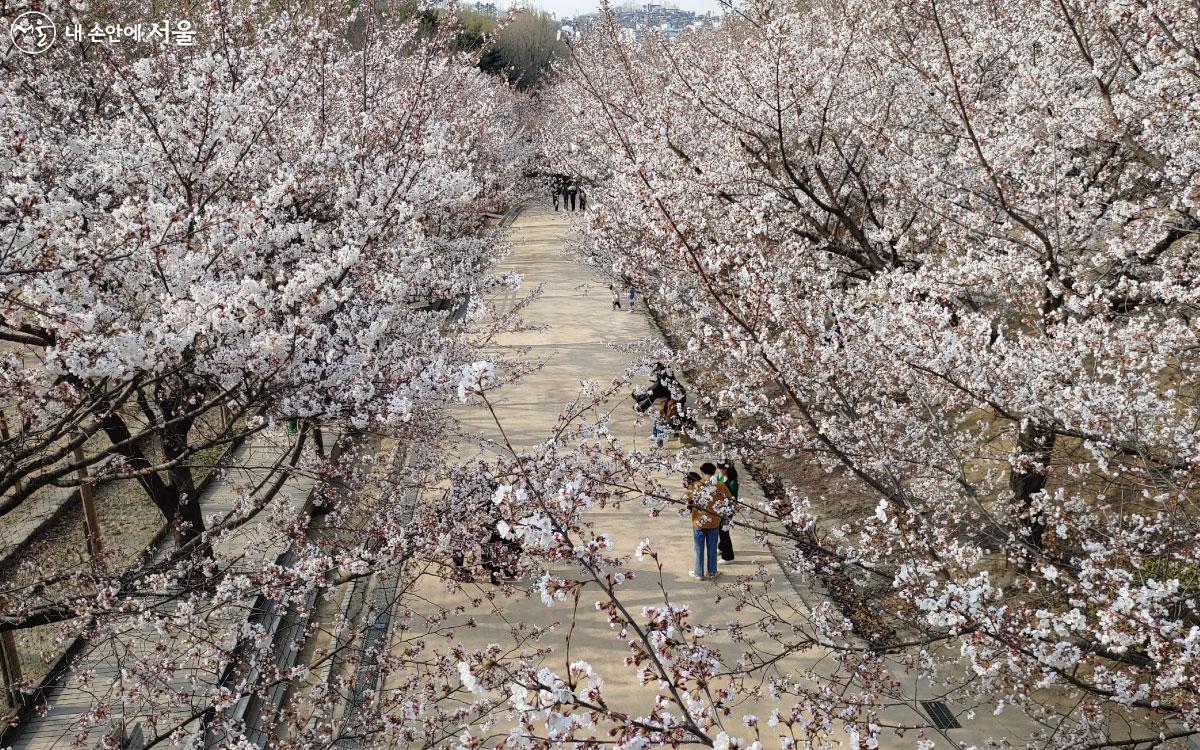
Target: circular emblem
{"points": [[32, 32]]}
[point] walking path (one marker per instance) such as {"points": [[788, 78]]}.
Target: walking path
{"points": [[577, 331], [23, 522]]}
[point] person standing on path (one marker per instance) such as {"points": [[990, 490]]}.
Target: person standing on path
{"points": [[723, 507], [703, 498], [616, 296], [728, 476], [572, 191], [632, 294], [582, 200], [556, 193]]}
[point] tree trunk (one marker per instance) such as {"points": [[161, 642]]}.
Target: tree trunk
{"points": [[1035, 444], [181, 511], [10, 669], [188, 522], [164, 496]]}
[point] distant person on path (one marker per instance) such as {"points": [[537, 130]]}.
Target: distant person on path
{"points": [[582, 200], [728, 476], [662, 385], [497, 556], [723, 505], [666, 421], [632, 295], [702, 496], [616, 296], [556, 193], [572, 191]]}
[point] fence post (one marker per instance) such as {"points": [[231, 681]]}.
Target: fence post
{"points": [[10, 659], [319, 439], [10, 668], [18, 486], [90, 520]]}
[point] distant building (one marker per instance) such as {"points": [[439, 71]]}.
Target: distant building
{"points": [[489, 9], [668, 21]]}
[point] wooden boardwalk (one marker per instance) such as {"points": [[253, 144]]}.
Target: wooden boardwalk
{"points": [[579, 338], [97, 678]]}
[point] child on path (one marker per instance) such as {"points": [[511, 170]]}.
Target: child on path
{"points": [[616, 296]]}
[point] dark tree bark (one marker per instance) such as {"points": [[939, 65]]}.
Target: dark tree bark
{"points": [[1035, 444], [164, 496], [188, 521]]}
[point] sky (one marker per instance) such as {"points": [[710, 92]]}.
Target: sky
{"points": [[567, 8]]}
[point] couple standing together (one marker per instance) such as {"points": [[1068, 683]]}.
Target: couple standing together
{"points": [[712, 498]]}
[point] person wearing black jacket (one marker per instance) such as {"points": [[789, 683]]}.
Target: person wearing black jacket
{"points": [[662, 385], [729, 477], [498, 556]]}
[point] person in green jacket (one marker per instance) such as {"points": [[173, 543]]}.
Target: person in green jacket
{"points": [[728, 476]]}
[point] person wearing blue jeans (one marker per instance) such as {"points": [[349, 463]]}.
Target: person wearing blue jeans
{"points": [[706, 549], [705, 524]]}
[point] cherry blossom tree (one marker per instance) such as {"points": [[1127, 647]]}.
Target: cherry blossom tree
{"points": [[948, 251], [945, 250], [201, 244]]}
